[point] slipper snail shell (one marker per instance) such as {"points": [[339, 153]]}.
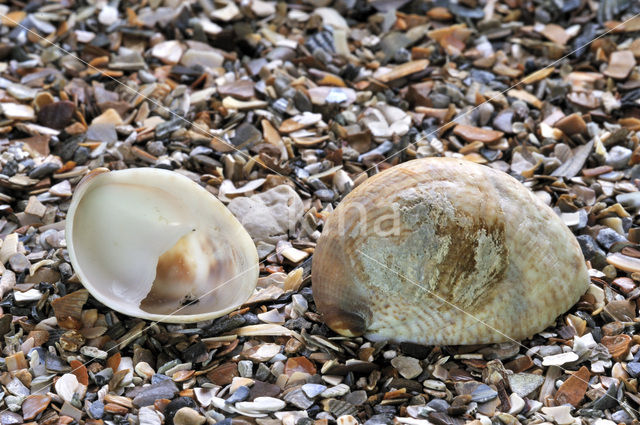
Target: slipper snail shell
{"points": [[151, 243], [445, 251]]}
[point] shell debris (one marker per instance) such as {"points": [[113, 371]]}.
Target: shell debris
{"points": [[366, 180]]}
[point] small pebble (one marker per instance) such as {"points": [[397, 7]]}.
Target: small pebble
{"points": [[188, 416], [408, 367], [313, 390]]}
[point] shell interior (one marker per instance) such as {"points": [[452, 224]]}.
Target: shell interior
{"points": [[153, 244]]}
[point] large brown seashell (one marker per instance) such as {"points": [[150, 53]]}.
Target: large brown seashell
{"points": [[445, 251]]}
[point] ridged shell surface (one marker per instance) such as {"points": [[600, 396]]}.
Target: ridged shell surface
{"points": [[445, 251]]}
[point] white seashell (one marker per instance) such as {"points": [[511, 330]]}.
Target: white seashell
{"points": [[347, 420], [272, 316], [26, 296], [66, 386], [144, 370], [147, 242], [261, 405], [205, 395], [560, 359], [147, 415], [220, 404], [335, 391]]}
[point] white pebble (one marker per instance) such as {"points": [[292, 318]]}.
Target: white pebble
{"points": [[347, 420], [108, 15], [66, 386], [517, 404], [144, 370], [147, 415], [560, 359]]}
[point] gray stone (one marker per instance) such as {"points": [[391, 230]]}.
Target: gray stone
{"points": [[618, 157], [438, 404], [246, 136], [502, 121], [608, 400], [629, 200], [156, 148], [408, 367], [440, 100], [380, 419], [43, 170], [165, 389], [549, 350], [392, 42], [325, 195], [464, 12], [281, 53], [81, 155], [128, 62], [96, 409], [263, 372], [621, 417], [483, 393], [10, 418], [206, 59], [168, 365], [524, 384], [168, 127], [591, 251], [19, 262], [93, 352], [335, 391], [633, 368], [102, 132], [485, 111], [254, 66], [54, 363], [299, 399], [269, 216], [103, 377], [245, 368], [13, 403], [608, 237], [17, 388], [240, 394], [313, 390], [356, 398]]}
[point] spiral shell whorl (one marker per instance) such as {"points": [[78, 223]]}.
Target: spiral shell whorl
{"points": [[440, 251]]}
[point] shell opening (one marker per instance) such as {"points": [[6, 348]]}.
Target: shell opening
{"points": [[184, 274], [346, 323], [153, 244]]}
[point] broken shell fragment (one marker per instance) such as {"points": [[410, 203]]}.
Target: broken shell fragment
{"points": [[445, 251], [151, 243]]}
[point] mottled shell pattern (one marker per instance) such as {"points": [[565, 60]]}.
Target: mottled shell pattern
{"points": [[445, 251]]}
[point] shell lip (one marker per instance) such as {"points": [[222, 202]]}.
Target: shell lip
{"points": [[95, 176], [346, 323]]}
